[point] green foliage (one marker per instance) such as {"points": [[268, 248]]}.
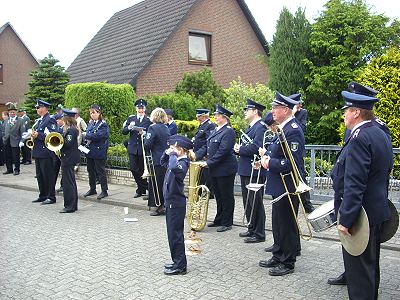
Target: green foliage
{"points": [[236, 97], [183, 105], [290, 47], [116, 101], [117, 156], [322, 167], [202, 87], [48, 83], [344, 38], [187, 128]]}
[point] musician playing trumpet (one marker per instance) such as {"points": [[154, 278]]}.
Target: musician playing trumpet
{"points": [[247, 150]]}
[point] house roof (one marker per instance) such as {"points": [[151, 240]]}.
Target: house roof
{"points": [[131, 38]]}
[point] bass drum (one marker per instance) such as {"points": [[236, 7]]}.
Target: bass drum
{"points": [[323, 217]]}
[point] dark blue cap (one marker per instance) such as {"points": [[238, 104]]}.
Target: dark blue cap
{"points": [[57, 116], [296, 97], [358, 88], [283, 101], [223, 111], [358, 100], [95, 107], [181, 141], [68, 112], [40, 103], [140, 103], [269, 119], [202, 111], [169, 112], [254, 105]]}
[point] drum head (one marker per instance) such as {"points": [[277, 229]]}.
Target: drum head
{"points": [[356, 244], [322, 210], [389, 227]]}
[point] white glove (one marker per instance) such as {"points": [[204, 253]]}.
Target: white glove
{"points": [[130, 126], [21, 144]]}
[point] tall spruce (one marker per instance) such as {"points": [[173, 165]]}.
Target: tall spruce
{"points": [[289, 48], [48, 83]]}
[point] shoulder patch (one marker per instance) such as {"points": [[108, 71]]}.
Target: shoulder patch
{"points": [[355, 134], [53, 126], [294, 146], [294, 125], [69, 137], [148, 135], [380, 122]]}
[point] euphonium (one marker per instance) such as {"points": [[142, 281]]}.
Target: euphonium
{"points": [[54, 141], [198, 198]]}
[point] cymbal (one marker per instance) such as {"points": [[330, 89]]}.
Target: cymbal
{"points": [[356, 243], [389, 227]]}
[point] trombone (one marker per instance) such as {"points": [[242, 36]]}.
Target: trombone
{"points": [[299, 184]]}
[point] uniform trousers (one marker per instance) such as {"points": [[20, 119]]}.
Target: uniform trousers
{"points": [[70, 190], [223, 190], [285, 231], [2, 152], [46, 178], [363, 272], [12, 157], [156, 186], [136, 164], [97, 166], [175, 219], [26, 154], [256, 226]]}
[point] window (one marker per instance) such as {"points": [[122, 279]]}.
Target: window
{"points": [[1, 74], [199, 48]]}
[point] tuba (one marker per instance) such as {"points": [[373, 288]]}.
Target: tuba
{"points": [[54, 141]]}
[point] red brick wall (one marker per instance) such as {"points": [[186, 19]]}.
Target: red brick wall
{"points": [[17, 64], [234, 49]]}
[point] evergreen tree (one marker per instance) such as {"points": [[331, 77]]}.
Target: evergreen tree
{"points": [[48, 83], [289, 48]]}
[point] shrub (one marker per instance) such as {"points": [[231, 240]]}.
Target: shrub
{"points": [[117, 156]]}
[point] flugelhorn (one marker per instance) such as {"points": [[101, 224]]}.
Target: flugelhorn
{"points": [[54, 141]]}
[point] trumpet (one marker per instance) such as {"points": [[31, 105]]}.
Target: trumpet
{"points": [[27, 136]]}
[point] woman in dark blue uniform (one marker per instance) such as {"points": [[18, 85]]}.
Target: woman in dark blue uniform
{"points": [[176, 160], [96, 139], [70, 156], [222, 165], [155, 144]]}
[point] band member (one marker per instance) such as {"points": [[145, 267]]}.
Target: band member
{"points": [[81, 125], [96, 140], [176, 160], [222, 165], [284, 227], [155, 144], [360, 89], [173, 129], [14, 127], [44, 157], [70, 156], [4, 119], [360, 179], [57, 160], [248, 152], [136, 157], [26, 151]]}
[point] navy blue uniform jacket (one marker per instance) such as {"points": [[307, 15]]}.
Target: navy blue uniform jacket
{"points": [[279, 164], [173, 129], [200, 139], [361, 176], [97, 139], [221, 158], [39, 149], [134, 142], [301, 117], [70, 155], [246, 152], [173, 181], [156, 141], [375, 121]]}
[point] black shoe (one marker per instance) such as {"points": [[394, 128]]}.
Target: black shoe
{"points": [[60, 190], [298, 253], [157, 213], [16, 173], [245, 234], [175, 271], [253, 239], [223, 228], [137, 195], [102, 195], [169, 266], [270, 263], [280, 270], [213, 225], [38, 200], [340, 280], [89, 193], [269, 249], [48, 201], [66, 211], [27, 163], [7, 172]]}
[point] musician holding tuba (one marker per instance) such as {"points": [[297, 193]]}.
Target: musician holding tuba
{"points": [[360, 180], [43, 156], [284, 227], [248, 153]]}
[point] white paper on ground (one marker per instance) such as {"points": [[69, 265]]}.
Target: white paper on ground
{"points": [[130, 219]]}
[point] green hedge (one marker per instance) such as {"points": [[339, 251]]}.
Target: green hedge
{"points": [[116, 101]]}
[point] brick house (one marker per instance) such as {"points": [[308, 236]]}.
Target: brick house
{"points": [[153, 43], [16, 62]]}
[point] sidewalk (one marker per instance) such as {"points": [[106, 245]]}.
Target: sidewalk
{"points": [[122, 195]]}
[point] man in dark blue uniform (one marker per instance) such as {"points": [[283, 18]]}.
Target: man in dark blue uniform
{"points": [[171, 124], [248, 153], [44, 157], [136, 159], [285, 231], [360, 179]]}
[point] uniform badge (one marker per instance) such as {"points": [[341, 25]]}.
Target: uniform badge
{"points": [[294, 146], [380, 122], [148, 135], [69, 137], [355, 134], [53, 126], [294, 125]]}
